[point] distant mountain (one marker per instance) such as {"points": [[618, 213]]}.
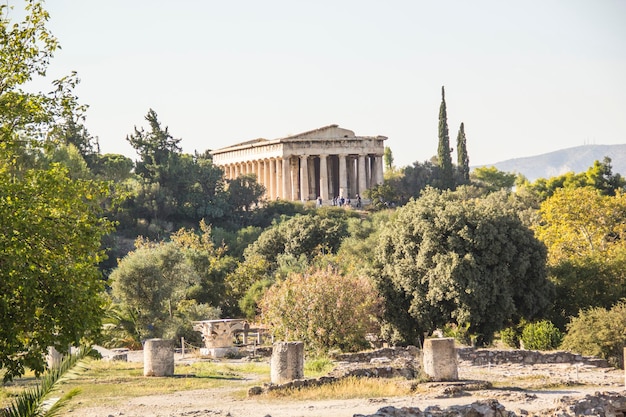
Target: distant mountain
{"points": [[556, 163]]}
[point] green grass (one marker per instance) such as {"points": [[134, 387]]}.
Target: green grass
{"points": [[111, 382]]}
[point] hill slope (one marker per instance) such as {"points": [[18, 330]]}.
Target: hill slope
{"points": [[577, 159]]}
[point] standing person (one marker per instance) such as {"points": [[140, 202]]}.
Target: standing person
{"points": [[319, 201]]}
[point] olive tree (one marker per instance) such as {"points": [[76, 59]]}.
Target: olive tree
{"points": [[449, 259]]}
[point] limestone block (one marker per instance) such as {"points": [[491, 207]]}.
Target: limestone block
{"points": [[287, 362], [158, 357], [440, 359], [53, 358]]}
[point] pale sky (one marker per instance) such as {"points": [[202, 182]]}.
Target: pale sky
{"points": [[526, 77]]}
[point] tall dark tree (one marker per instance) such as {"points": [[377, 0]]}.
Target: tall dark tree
{"points": [[443, 151], [462, 156], [155, 148]]}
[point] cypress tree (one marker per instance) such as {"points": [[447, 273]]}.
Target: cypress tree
{"points": [[461, 153], [443, 152]]}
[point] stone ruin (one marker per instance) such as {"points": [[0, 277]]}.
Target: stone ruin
{"points": [[222, 337], [605, 404]]}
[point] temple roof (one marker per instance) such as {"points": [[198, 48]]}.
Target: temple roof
{"points": [[329, 132]]}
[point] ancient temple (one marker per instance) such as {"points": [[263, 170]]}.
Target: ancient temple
{"points": [[327, 162]]}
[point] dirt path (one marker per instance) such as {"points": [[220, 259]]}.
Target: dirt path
{"points": [[517, 387]]}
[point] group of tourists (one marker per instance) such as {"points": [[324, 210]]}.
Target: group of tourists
{"points": [[340, 201]]}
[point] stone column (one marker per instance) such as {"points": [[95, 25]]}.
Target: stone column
{"points": [[158, 358], [279, 178], [259, 169], [352, 174], [304, 178], [343, 176], [287, 362], [287, 179], [324, 177], [266, 177], [362, 177], [271, 178], [440, 359], [378, 169]]}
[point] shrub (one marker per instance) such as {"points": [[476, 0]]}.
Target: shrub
{"points": [[599, 332], [323, 309], [510, 337], [542, 335]]}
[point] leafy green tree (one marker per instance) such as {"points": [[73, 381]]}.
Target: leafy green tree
{"points": [[150, 282], [155, 147], [323, 308], [462, 155], [307, 235], [112, 167], [585, 233], [50, 224], [243, 193], [599, 332], [581, 221], [50, 233], [211, 263], [492, 179], [446, 259], [417, 177], [443, 151], [599, 176], [388, 158]]}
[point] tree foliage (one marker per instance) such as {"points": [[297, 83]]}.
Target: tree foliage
{"points": [[444, 259], [50, 233], [323, 309], [599, 332], [150, 282], [581, 221], [541, 335], [600, 176], [444, 160], [492, 179], [585, 233], [462, 155]]}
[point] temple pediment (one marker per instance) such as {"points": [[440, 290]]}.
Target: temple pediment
{"points": [[324, 133]]}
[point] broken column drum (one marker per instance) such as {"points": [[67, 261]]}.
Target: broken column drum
{"points": [[158, 357], [287, 362], [440, 361]]}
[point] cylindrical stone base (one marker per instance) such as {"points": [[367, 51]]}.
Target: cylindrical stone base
{"points": [[158, 358], [440, 359], [287, 362]]}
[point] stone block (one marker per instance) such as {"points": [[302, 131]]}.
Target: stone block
{"points": [[440, 361], [158, 357], [287, 362]]}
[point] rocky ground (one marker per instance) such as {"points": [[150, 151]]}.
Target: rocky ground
{"points": [[520, 390]]}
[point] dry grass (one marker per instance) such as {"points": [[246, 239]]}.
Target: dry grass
{"points": [[347, 388]]}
